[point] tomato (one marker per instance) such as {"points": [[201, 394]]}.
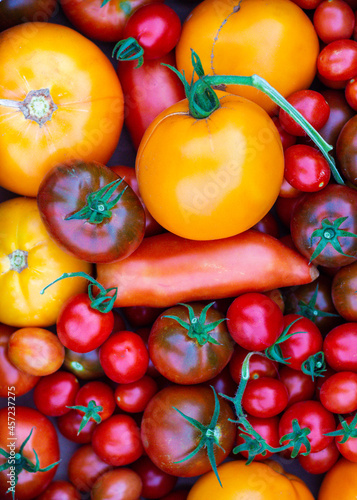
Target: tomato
{"points": [[156, 483], [268, 225], [284, 208], [264, 481], [43, 440], [334, 20], [117, 440], [287, 190], [232, 163], [307, 4], [181, 270], [299, 385], [69, 426], [124, 357], [78, 100], [339, 482], [90, 211], [139, 316], [351, 93], [168, 438], [321, 461], [176, 495], [314, 416], [54, 393], [265, 397], [343, 292], [256, 37], [306, 169], [190, 344], [259, 366], [36, 351], [340, 113], [346, 150], [338, 393], [268, 428], [20, 11], [148, 91], [102, 23], [134, 397], [84, 365], [84, 468], [287, 139], [10, 376], [347, 448], [340, 346], [156, 27], [117, 484], [338, 60], [254, 321], [324, 226], [60, 490]]}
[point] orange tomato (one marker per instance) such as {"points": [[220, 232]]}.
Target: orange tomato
{"points": [[212, 178], [85, 98], [271, 38], [257, 481], [340, 482], [30, 260]]}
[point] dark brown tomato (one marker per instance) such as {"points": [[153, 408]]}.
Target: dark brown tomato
{"points": [[193, 353], [343, 291], [89, 221], [324, 226], [13, 12], [346, 150], [169, 438]]}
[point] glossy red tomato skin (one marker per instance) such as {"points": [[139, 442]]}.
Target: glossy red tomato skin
{"points": [[351, 93], [148, 90], [64, 191], [268, 428], [287, 139], [124, 357], [338, 60], [340, 113], [156, 27], [43, 439], [181, 359], [305, 168], [117, 440], [265, 397], [300, 346], [168, 437], [134, 397], [101, 394], [55, 392], [101, 23], [339, 347], [60, 490], [117, 484], [334, 20], [299, 385], [333, 202], [346, 150], [338, 393], [343, 292], [312, 105], [313, 415], [321, 461], [84, 468], [254, 321], [68, 425], [82, 328], [259, 366], [156, 483], [349, 448]]}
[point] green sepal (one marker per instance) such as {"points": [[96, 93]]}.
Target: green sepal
{"points": [[297, 438], [90, 412], [329, 233], [348, 430], [314, 365], [274, 352], [129, 49]]}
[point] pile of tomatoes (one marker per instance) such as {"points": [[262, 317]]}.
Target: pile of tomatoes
{"points": [[187, 328]]}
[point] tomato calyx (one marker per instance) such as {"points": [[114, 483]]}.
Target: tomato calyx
{"points": [[90, 412], [129, 49], [274, 352], [314, 365], [297, 438], [348, 430], [309, 310], [18, 260], [329, 233], [99, 205], [37, 106], [197, 328], [102, 302], [20, 462], [209, 435]]}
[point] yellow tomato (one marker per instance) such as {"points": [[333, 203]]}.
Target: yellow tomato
{"points": [[212, 178], [257, 481], [30, 260], [271, 38], [340, 482], [87, 103]]}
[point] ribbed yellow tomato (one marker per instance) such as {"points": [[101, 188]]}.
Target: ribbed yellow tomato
{"points": [[79, 109], [271, 38], [211, 178]]}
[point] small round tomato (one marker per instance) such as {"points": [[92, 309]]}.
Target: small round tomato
{"points": [[156, 483], [139, 316], [60, 490], [84, 468], [287, 139], [85, 366], [189, 343], [134, 397], [347, 448], [69, 426], [55, 392], [346, 150], [117, 440], [338, 60], [340, 346], [259, 366], [16, 12], [124, 357], [306, 169], [98, 399], [90, 211], [265, 397], [117, 484], [299, 385], [334, 20], [343, 292], [254, 321], [338, 393], [268, 225], [35, 351], [351, 93], [223, 383], [268, 428], [288, 191], [340, 113], [320, 461], [284, 208]]}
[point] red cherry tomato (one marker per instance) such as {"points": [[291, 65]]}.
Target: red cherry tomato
{"points": [[338, 60], [259, 366], [340, 113], [321, 461], [287, 190], [156, 482], [351, 93], [287, 139], [69, 423], [85, 467], [299, 385], [265, 397], [60, 490], [305, 168], [340, 346], [55, 392], [101, 394], [348, 449], [338, 393], [268, 428], [134, 397], [334, 20]]}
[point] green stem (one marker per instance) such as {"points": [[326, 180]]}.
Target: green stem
{"points": [[129, 49]]}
